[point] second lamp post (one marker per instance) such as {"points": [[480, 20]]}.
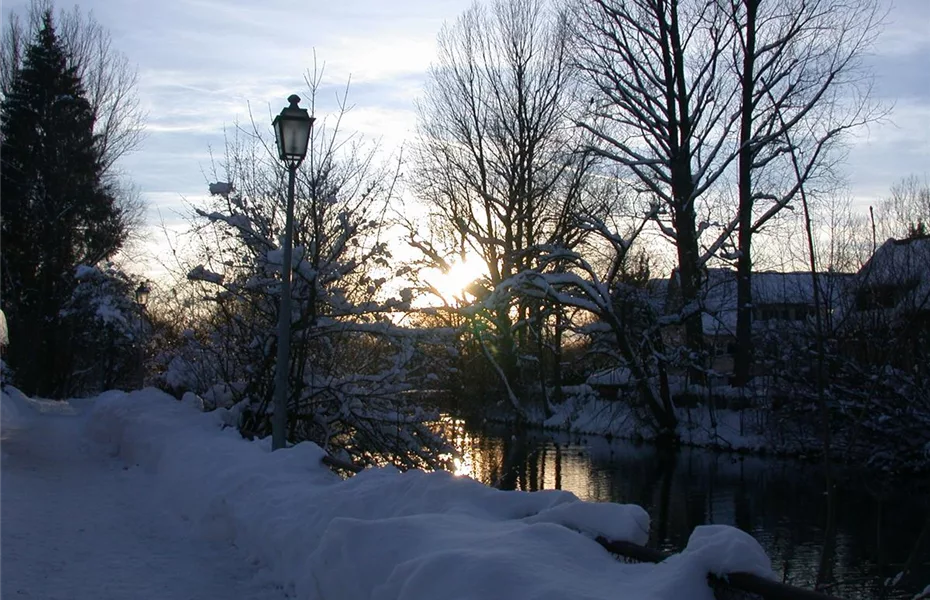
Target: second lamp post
{"points": [[292, 134]]}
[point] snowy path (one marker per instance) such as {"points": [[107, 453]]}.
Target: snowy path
{"points": [[76, 525]]}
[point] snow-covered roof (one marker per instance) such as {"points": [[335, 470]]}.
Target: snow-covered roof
{"points": [[901, 264], [769, 288], [897, 262], [656, 293]]}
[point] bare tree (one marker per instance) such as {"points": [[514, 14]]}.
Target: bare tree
{"points": [[799, 67], [110, 81], [497, 164], [684, 92], [844, 243], [907, 210], [662, 108]]}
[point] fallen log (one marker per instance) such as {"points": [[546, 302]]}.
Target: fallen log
{"points": [[747, 583]]}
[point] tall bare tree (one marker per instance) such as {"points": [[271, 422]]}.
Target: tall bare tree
{"points": [[799, 67], [662, 107], [497, 164], [906, 210], [686, 92], [844, 243]]}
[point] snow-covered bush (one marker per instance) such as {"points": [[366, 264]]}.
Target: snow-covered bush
{"points": [[350, 365], [107, 328], [875, 384]]}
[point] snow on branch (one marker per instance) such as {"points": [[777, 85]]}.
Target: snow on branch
{"points": [[201, 273]]}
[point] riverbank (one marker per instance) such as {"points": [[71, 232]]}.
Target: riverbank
{"points": [[794, 431]]}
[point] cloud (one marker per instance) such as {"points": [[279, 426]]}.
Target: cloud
{"points": [[205, 65], [906, 30]]}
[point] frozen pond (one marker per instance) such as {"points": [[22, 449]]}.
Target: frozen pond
{"points": [[780, 502]]}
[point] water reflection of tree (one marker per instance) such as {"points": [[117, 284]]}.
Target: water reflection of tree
{"points": [[513, 469], [665, 471]]}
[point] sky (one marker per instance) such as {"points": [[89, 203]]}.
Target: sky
{"points": [[205, 64]]}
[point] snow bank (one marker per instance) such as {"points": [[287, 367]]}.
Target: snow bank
{"points": [[721, 549], [584, 412], [15, 412], [384, 534], [18, 412]]}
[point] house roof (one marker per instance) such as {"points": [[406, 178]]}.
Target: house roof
{"points": [[897, 262], [902, 264], [768, 288]]}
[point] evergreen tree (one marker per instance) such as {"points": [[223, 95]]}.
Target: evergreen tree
{"points": [[56, 212]]}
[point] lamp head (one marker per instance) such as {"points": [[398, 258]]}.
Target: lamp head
{"points": [[292, 132]]}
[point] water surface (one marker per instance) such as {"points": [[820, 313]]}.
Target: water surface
{"points": [[782, 503]]}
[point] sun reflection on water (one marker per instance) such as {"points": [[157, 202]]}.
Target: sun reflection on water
{"points": [[510, 462]]}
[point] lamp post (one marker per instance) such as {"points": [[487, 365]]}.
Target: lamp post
{"points": [[292, 134], [142, 297]]}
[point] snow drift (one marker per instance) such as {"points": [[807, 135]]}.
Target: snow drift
{"points": [[15, 412], [385, 534]]}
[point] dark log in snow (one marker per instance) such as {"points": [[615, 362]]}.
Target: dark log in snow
{"points": [[751, 585]]}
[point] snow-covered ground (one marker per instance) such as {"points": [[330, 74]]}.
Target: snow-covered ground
{"points": [[76, 525], [140, 496]]}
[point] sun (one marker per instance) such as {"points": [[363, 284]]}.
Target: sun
{"points": [[453, 282]]}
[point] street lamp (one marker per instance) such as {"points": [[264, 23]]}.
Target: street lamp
{"points": [[142, 294], [142, 297], [292, 135]]}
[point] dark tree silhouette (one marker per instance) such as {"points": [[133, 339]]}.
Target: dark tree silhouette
{"points": [[57, 211]]}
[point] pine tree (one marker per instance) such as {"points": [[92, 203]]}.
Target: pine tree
{"points": [[56, 211]]}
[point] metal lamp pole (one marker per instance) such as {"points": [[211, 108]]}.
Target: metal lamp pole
{"points": [[292, 134], [142, 297]]}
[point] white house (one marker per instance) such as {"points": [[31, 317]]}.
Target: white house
{"points": [[781, 302]]}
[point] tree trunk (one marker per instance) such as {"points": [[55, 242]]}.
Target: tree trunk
{"points": [[678, 102], [742, 364], [507, 355], [689, 274]]}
